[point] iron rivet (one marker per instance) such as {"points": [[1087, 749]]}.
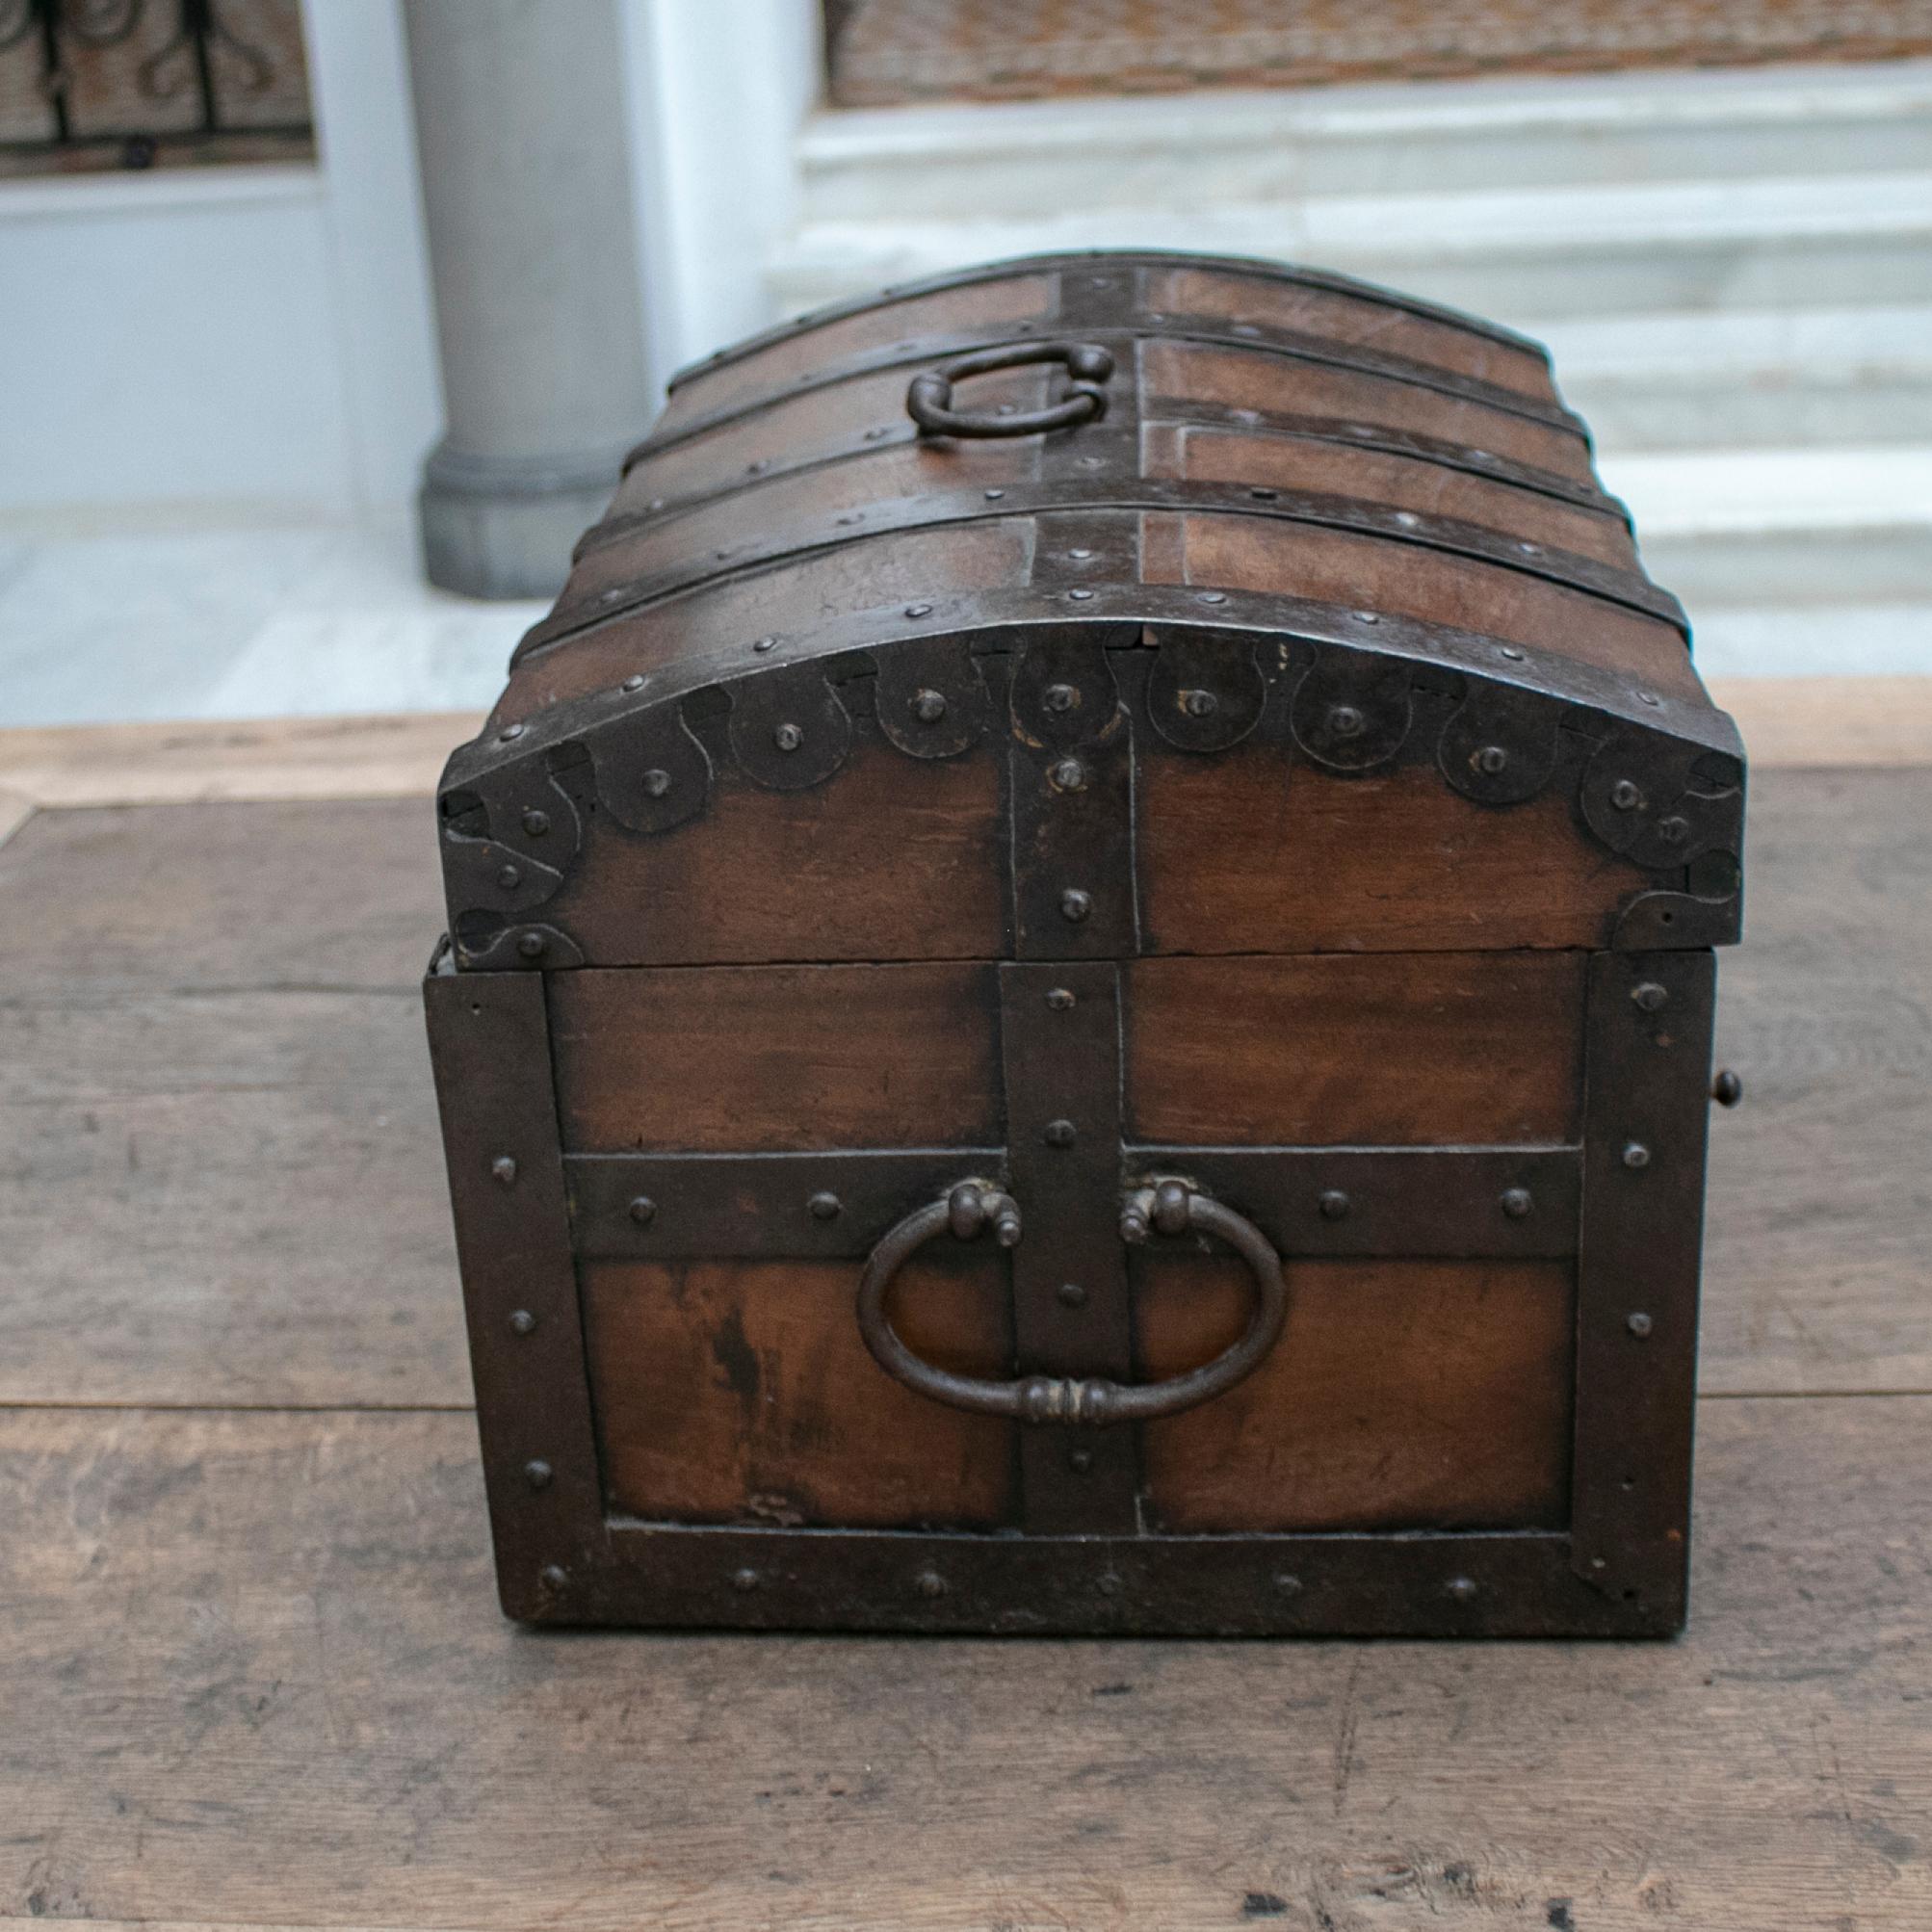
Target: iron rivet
{"points": [[1638, 1325], [1461, 1588], [553, 1577], [656, 502], [874, 436], [994, 495], [745, 1579], [1727, 1089], [536, 823], [918, 610], [1649, 995], [1108, 1584], [1510, 652], [1334, 1205], [1068, 774], [1006, 408], [1516, 1202], [1673, 831], [1625, 795], [1637, 1155], [656, 782], [522, 1322], [762, 644], [1059, 1134], [1491, 760], [1080, 1460], [531, 945], [929, 1584], [1079, 555], [538, 1474], [1286, 1584], [635, 682], [929, 706], [509, 733], [1061, 698], [788, 738], [504, 1168], [1407, 518], [1071, 1294], [1648, 697], [1079, 596], [1214, 597], [1368, 617], [825, 1206], [508, 877], [1199, 703], [1265, 495], [1481, 456], [1059, 999], [1599, 1563], [642, 1210], [1530, 549], [1345, 720], [614, 595], [1075, 905]]}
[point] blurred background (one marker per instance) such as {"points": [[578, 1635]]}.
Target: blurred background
{"points": [[307, 303]]}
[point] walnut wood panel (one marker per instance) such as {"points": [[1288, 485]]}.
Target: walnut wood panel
{"points": [[1392, 1050], [1403, 1394], [1214, 455], [895, 858], [1357, 320], [1370, 573], [776, 1058], [1242, 853], [317, 1716], [743, 1393], [1244, 378], [742, 379], [820, 422], [784, 599]]}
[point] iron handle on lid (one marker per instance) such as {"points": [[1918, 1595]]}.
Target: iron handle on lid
{"points": [[928, 402]]}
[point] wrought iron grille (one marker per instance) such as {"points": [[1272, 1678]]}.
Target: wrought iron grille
{"points": [[133, 83]]}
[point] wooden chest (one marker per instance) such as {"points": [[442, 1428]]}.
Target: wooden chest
{"points": [[1079, 987]]}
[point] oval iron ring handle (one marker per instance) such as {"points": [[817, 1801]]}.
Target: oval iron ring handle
{"points": [[1168, 1208], [928, 402]]}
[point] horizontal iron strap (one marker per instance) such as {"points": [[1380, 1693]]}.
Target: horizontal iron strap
{"points": [[1178, 412], [1103, 259], [1419, 1202], [931, 350], [1450, 535]]}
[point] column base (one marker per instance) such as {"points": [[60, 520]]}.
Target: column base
{"points": [[503, 526]]}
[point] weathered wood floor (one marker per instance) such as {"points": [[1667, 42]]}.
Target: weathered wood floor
{"points": [[251, 1670]]}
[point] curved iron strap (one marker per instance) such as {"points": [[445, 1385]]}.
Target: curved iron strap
{"points": [[928, 402], [1167, 1208]]}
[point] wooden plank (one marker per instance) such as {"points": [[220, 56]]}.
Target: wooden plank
{"points": [[392, 756], [1817, 1272], [255, 1673], [220, 1173]]}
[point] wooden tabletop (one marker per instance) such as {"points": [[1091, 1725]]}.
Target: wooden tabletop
{"points": [[252, 1668]]}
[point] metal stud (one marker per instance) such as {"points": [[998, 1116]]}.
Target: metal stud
{"points": [[1080, 1460], [762, 644], [504, 1168], [531, 945], [1068, 774], [1070, 1294], [1649, 995], [553, 1577], [1639, 1323], [929, 706], [994, 495], [1075, 905], [1214, 597], [1059, 999], [929, 1584], [1727, 1089], [1059, 697], [1286, 1584], [1461, 1589], [1346, 721], [510, 878], [642, 1210], [1517, 1202], [918, 610], [536, 823], [510, 733], [1079, 554], [635, 682], [1199, 703], [1079, 596], [745, 1579], [1673, 831], [1059, 1134], [1625, 795], [1107, 1584], [788, 738], [825, 1206], [1510, 652], [657, 781], [1334, 1205], [522, 1322], [538, 1474], [1407, 518], [1637, 1155], [1491, 760]]}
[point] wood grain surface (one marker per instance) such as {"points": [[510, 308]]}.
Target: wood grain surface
{"points": [[254, 1674]]}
